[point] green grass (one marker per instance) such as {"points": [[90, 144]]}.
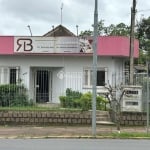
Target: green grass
{"points": [[39, 108], [126, 135]]}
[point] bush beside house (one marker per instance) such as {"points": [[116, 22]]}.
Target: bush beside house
{"points": [[75, 99], [13, 95]]}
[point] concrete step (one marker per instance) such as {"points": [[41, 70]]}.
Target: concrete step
{"points": [[105, 123], [102, 112], [103, 117]]}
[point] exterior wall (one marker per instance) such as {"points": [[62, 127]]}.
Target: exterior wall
{"points": [[117, 72], [44, 118], [67, 71], [57, 84], [116, 46], [6, 44], [133, 118], [48, 118]]}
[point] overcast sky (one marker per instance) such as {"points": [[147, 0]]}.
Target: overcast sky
{"points": [[41, 15]]}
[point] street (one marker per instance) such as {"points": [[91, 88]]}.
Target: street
{"points": [[73, 144]]}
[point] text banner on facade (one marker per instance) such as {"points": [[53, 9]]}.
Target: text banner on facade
{"points": [[51, 45]]}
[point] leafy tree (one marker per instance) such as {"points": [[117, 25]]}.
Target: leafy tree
{"points": [[142, 57], [86, 33], [119, 30], [101, 30], [143, 34]]}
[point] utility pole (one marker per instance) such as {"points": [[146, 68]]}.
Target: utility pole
{"points": [[133, 12], [147, 114], [94, 78]]}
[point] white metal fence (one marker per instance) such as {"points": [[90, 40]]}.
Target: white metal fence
{"points": [[14, 93]]}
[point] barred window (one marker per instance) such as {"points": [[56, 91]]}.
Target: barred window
{"points": [[9, 75], [13, 76]]}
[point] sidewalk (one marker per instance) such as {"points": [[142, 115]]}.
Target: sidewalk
{"points": [[61, 131]]}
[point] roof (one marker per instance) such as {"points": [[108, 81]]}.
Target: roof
{"points": [[59, 31], [61, 41]]}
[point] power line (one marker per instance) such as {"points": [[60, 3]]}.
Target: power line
{"points": [[143, 10]]}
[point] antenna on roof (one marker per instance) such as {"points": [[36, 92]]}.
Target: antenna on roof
{"points": [[30, 30], [77, 29], [61, 11], [53, 30]]}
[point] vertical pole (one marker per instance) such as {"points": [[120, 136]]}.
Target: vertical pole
{"points": [[94, 70], [133, 11], [147, 114], [61, 12], [30, 29], [77, 29]]}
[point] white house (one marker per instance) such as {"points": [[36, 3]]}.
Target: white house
{"points": [[49, 64]]}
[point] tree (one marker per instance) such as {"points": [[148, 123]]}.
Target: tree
{"points": [[101, 30], [142, 57], [118, 30], [143, 34], [115, 103], [86, 33]]}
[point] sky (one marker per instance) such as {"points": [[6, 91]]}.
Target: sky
{"points": [[17, 15]]}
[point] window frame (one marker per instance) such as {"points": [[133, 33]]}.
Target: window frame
{"points": [[5, 74], [88, 79]]}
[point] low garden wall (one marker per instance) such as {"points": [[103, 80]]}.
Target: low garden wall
{"points": [[70, 118], [43, 117], [133, 118]]}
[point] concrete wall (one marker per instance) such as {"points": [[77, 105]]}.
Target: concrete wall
{"points": [[133, 118], [59, 118], [43, 118]]}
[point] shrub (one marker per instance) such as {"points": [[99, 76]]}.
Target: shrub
{"points": [[86, 101], [13, 95], [101, 103], [77, 103], [71, 100], [73, 94], [75, 99], [62, 101]]}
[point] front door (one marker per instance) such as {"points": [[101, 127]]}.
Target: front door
{"points": [[42, 80]]}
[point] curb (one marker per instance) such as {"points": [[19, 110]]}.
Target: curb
{"points": [[70, 137]]}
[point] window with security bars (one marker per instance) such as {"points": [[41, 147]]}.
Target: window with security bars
{"points": [[13, 76], [9, 75]]}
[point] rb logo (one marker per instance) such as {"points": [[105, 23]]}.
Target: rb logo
{"points": [[24, 44]]}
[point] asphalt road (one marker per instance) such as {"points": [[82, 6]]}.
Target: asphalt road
{"points": [[73, 144]]}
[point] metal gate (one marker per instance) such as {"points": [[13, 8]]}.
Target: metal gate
{"points": [[42, 81]]}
